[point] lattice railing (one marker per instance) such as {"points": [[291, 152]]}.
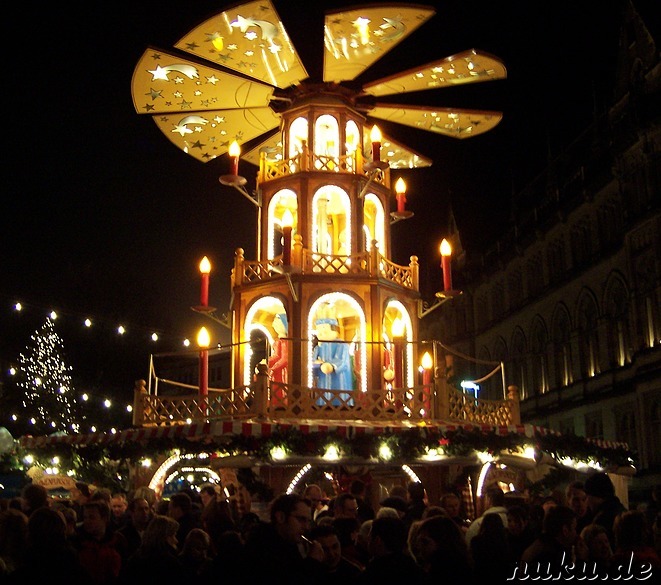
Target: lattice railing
{"points": [[254, 271], [168, 410], [335, 264], [396, 273], [478, 410]]}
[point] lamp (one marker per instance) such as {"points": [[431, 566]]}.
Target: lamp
{"points": [[205, 269], [203, 341], [233, 179], [446, 257], [400, 195]]}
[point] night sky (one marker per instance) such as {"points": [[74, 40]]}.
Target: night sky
{"points": [[103, 216]]}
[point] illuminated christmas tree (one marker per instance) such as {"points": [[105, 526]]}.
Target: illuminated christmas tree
{"points": [[48, 398]]}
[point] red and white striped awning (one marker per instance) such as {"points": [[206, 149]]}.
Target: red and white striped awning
{"points": [[220, 429]]}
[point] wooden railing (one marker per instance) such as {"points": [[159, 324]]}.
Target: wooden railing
{"points": [[416, 404], [370, 264], [306, 160]]}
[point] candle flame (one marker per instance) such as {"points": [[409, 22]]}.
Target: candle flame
{"points": [[426, 362], [375, 134], [400, 186], [398, 327], [203, 338], [235, 149], [205, 265], [287, 219], [446, 249]]}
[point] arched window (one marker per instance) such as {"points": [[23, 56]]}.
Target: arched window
{"points": [[326, 142], [617, 313], [374, 222], [282, 201], [352, 143], [331, 221], [561, 338], [298, 135], [588, 337], [258, 334], [342, 314], [517, 370], [538, 342], [396, 316]]}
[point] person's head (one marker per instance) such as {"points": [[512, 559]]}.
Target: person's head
{"points": [[290, 516], [33, 497], [517, 519], [560, 523], [197, 544], [316, 496], [576, 498], [346, 530], [180, 505], [598, 488], [346, 506], [494, 496], [548, 502], [327, 537], [358, 488], [147, 493], [70, 516], [160, 534], [631, 530], [13, 531], [492, 526], [326, 329], [80, 493], [438, 535], [118, 504], [102, 494], [96, 515], [280, 324], [46, 528], [395, 503], [388, 535], [416, 492], [208, 493], [399, 491], [596, 540], [451, 503], [140, 513]]}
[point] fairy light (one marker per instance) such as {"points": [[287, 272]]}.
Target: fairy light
{"points": [[297, 478]]}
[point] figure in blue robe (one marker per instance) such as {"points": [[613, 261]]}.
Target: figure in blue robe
{"points": [[335, 353]]}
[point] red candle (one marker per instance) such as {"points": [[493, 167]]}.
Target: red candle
{"points": [[400, 194], [234, 153], [205, 269], [446, 257], [203, 341]]}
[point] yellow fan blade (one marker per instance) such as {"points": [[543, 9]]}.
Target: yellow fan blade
{"points": [[471, 66]]}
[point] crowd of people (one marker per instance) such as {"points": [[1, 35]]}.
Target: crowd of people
{"points": [[101, 538]]}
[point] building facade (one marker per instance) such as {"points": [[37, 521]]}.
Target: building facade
{"points": [[569, 299]]}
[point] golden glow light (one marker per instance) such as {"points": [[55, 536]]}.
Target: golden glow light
{"points": [[446, 249], [375, 134], [203, 339], [400, 186], [287, 218], [205, 265], [398, 328], [235, 149], [426, 361]]}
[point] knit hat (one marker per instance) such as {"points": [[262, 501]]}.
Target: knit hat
{"points": [[599, 485]]}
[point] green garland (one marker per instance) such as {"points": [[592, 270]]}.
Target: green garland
{"points": [[95, 461]]}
